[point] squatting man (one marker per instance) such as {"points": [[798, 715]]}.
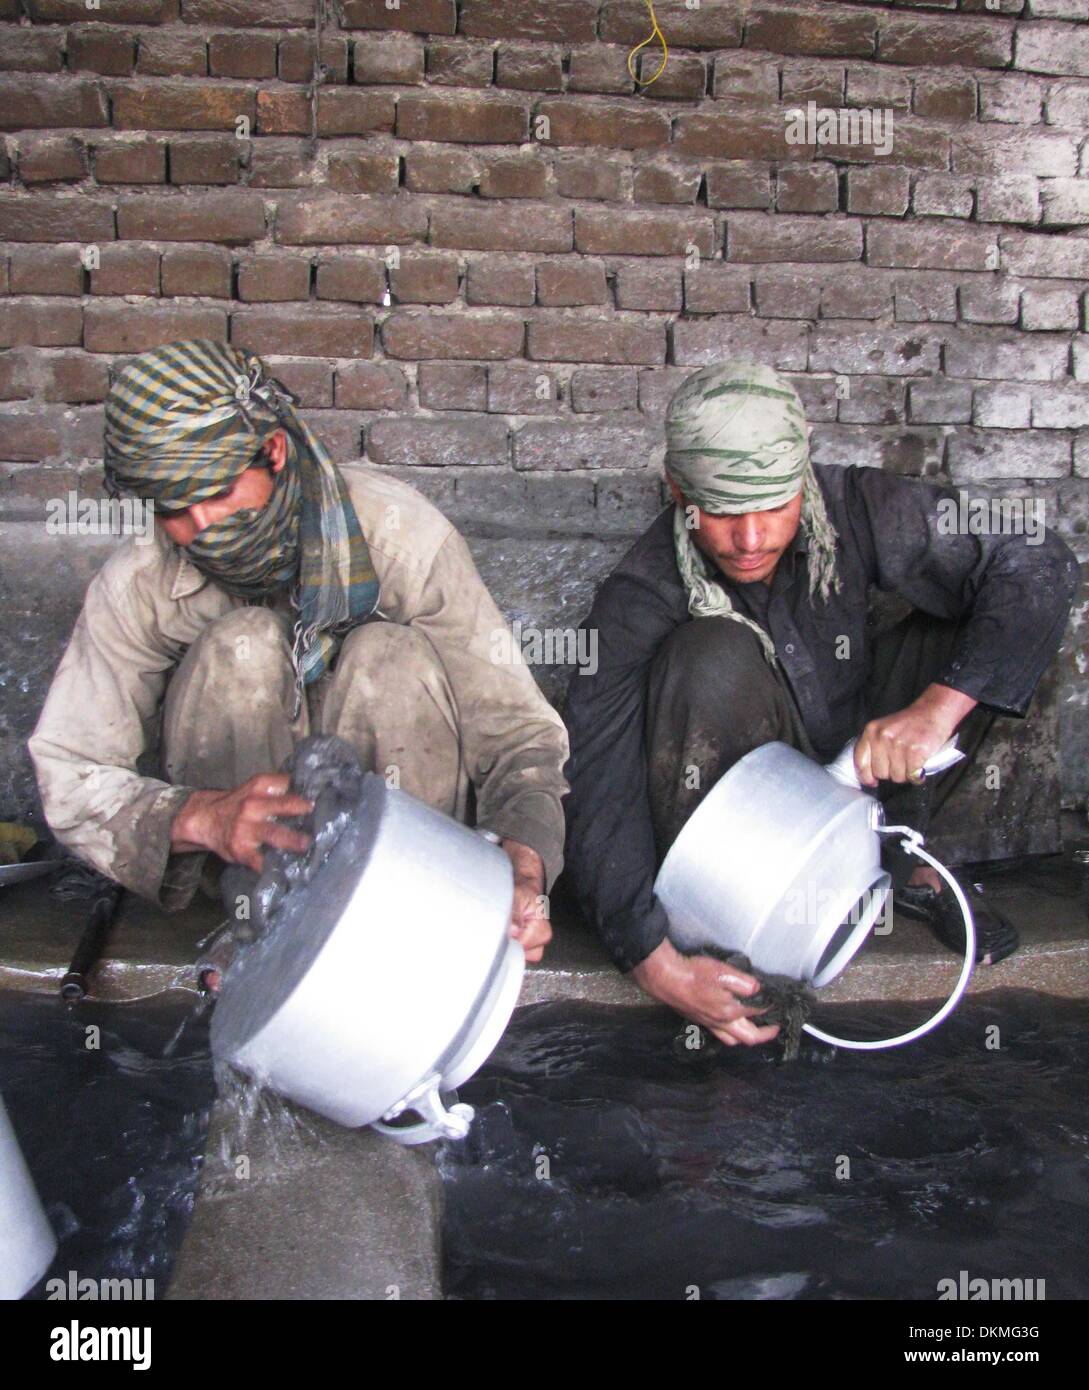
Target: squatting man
{"points": [[282, 597], [747, 614]]}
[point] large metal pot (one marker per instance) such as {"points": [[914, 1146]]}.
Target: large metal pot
{"points": [[27, 1242], [387, 980]]}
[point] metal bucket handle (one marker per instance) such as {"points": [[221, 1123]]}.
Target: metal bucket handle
{"points": [[437, 1122], [913, 844]]}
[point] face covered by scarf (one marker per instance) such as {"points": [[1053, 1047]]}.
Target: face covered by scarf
{"points": [[183, 422], [736, 442]]}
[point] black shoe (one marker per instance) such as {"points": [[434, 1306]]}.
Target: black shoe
{"points": [[996, 936]]}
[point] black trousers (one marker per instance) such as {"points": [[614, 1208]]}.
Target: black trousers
{"points": [[713, 697]]}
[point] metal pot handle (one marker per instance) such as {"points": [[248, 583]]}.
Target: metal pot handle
{"points": [[913, 844], [437, 1121]]}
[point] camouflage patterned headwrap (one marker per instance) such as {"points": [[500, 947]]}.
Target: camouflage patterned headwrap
{"points": [[183, 421], [736, 442]]}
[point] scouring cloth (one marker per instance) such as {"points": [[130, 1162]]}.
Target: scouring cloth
{"points": [[788, 1002]]}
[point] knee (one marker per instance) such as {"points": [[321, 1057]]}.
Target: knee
{"points": [[712, 662], [252, 639], [386, 659]]}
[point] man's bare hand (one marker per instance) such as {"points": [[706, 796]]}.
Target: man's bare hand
{"points": [[706, 991], [238, 824], [529, 922], [894, 748]]}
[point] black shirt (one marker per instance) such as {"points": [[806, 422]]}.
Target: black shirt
{"points": [[1012, 596]]}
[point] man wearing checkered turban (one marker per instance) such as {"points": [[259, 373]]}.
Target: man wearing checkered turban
{"points": [[282, 596]]}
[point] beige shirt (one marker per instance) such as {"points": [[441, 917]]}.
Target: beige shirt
{"points": [[148, 603]]}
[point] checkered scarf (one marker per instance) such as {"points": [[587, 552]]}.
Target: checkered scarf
{"points": [[183, 421]]}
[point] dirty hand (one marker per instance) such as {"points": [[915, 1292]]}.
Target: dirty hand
{"points": [[237, 824], [894, 748], [706, 991], [529, 924]]}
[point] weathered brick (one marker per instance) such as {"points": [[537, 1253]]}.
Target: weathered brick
{"points": [[606, 125], [773, 341], [121, 11], [441, 171], [283, 164], [818, 397], [744, 77], [756, 237], [419, 17], [297, 55], [970, 43], [33, 102], [666, 183], [989, 299], [129, 161], [925, 298], [1005, 407], [861, 293], [714, 289], [32, 50], [942, 195], [111, 52], [599, 69], [115, 328], [807, 188], [207, 159], [356, 279], [984, 455], [370, 386], [439, 443], [592, 176], [548, 444], [182, 106], [1065, 202], [273, 279], [242, 55], [516, 176], [625, 342], [29, 435], [45, 217], [452, 386], [41, 323], [468, 120], [780, 293], [902, 449], [172, 53], [873, 400], [1053, 307], [73, 377], [742, 134], [657, 388], [1068, 105], [881, 192], [522, 390], [1047, 46], [52, 159], [1081, 358], [454, 63], [537, 227], [939, 402], [394, 60], [643, 233], [596, 390], [231, 217], [876, 86], [739, 185], [711, 26], [989, 354], [274, 13], [529, 69], [418, 337], [561, 284], [986, 151], [313, 331], [784, 30], [334, 219], [1063, 257], [922, 247], [310, 381], [864, 352], [1012, 99], [682, 78], [561, 21], [17, 377], [1008, 200], [944, 96], [425, 280], [127, 270], [198, 271], [1061, 407], [344, 111], [494, 281], [821, 83], [649, 287], [353, 172], [284, 111]]}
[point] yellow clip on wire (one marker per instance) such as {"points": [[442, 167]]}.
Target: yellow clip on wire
{"points": [[655, 33]]}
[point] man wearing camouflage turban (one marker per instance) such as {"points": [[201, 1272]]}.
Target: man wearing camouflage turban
{"points": [[282, 596], [744, 616]]}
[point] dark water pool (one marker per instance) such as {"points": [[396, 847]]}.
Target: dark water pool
{"points": [[114, 1134], [608, 1161]]}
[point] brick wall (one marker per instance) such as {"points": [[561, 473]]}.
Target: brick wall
{"points": [[569, 247]]}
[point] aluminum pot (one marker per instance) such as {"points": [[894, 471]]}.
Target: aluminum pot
{"points": [[27, 1242], [387, 980]]}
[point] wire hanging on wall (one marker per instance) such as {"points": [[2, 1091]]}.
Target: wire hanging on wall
{"points": [[656, 33]]}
